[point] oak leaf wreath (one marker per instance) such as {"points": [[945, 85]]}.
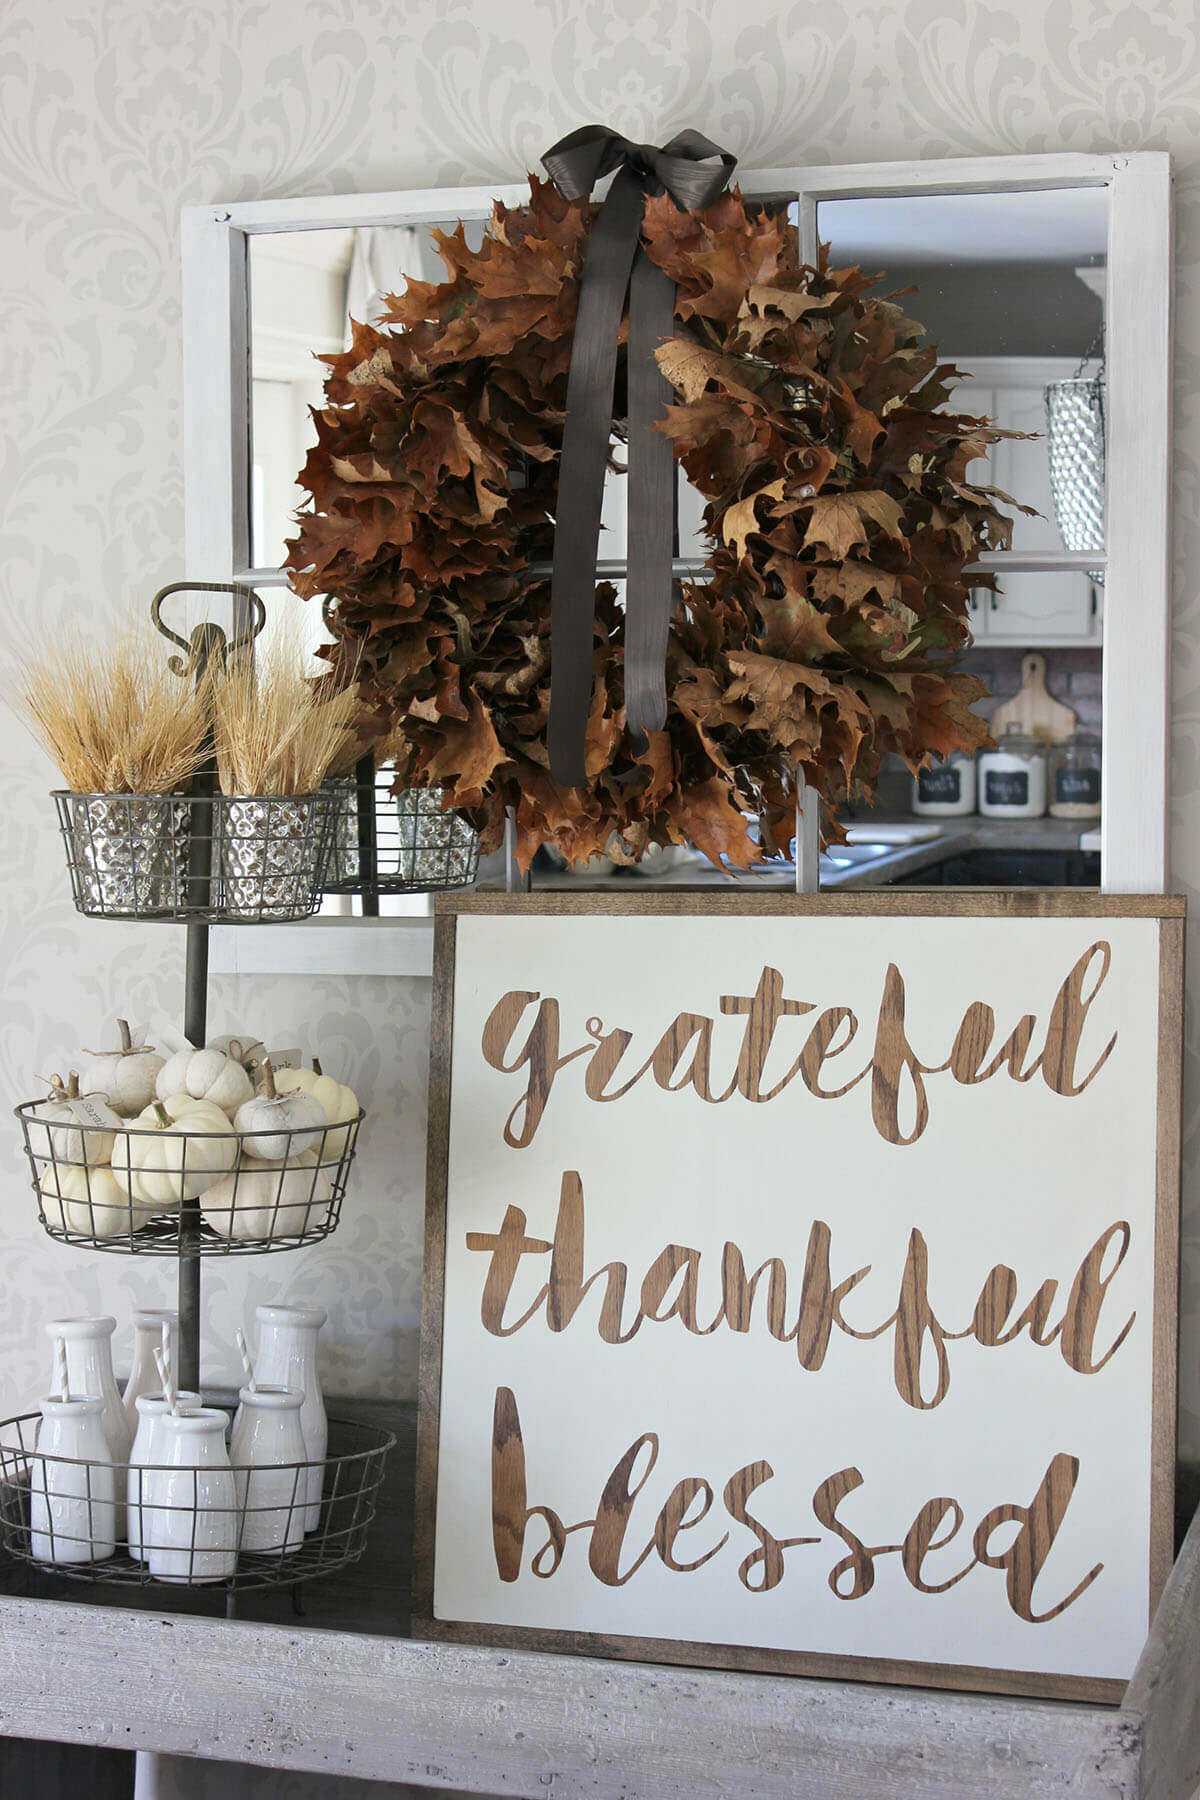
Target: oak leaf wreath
{"points": [[812, 420]]}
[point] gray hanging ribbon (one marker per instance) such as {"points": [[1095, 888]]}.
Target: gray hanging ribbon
{"points": [[693, 170]]}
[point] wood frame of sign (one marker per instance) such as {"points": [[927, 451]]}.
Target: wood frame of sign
{"points": [[1048, 1316]]}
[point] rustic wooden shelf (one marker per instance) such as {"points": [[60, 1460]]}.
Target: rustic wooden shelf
{"points": [[345, 1691]]}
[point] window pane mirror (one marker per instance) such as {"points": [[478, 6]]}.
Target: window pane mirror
{"points": [[1011, 287], [1037, 276], [305, 287]]}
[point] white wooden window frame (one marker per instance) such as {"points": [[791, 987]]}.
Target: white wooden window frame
{"points": [[216, 375]]}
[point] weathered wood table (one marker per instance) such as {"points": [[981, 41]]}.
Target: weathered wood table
{"points": [[343, 1690]]}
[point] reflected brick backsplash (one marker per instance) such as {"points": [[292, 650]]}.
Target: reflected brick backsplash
{"points": [[1072, 676]]}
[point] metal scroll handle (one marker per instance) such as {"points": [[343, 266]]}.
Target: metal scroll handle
{"points": [[209, 641]]}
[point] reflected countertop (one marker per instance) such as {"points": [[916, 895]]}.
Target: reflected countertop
{"points": [[861, 866]]}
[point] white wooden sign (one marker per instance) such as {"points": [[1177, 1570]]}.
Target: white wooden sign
{"points": [[800, 1286]]}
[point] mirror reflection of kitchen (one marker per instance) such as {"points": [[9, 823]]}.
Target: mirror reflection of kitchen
{"points": [[305, 287], [1010, 287]]}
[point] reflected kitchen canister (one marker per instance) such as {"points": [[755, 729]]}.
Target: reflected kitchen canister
{"points": [[1074, 777], [1012, 777], [946, 789]]}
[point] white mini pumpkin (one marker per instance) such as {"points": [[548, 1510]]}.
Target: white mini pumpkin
{"points": [[125, 1077], [174, 1151], [270, 1199], [207, 1074], [283, 1121], [90, 1203], [339, 1102], [59, 1137], [243, 1046]]}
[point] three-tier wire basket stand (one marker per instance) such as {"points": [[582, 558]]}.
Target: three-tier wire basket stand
{"points": [[197, 858]]}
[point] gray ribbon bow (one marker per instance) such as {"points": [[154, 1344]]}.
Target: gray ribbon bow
{"points": [[694, 171]]}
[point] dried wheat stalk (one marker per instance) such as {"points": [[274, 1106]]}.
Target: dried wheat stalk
{"points": [[275, 732], [114, 719]]}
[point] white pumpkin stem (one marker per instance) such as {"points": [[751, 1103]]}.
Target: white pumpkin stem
{"points": [[162, 1115], [268, 1075], [317, 1069], [127, 1047], [72, 1088]]}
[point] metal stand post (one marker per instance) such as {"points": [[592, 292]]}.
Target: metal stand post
{"points": [[209, 643], [208, 646], [195, 1027], [368, 848]]}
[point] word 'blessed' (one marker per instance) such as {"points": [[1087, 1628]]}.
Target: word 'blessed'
{"points": [[690, 1501]]}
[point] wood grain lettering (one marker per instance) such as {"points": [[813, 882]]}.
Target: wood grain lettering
{"points": [[677, 1516], [1039, 1522], [673, 1288], [921, 1541], [612, 1515], [763, 1011], [1082, 1316], [850, 1578], [767, 1559], [682, 1057], [510, 1513]]}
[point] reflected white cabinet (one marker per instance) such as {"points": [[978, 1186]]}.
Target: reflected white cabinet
{"points": [[1035, 609]]}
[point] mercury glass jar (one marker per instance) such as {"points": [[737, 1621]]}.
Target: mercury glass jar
{"points": [[946, 789], [1012, 777], [1074, 777]]}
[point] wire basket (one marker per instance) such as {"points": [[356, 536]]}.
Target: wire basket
{"points": [[238, 859], [58, 1513], [1075, 446], [144, 1190], [408, 846]]}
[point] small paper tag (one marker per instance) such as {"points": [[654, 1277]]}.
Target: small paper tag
{"points": [[93, 1109], [171, 1039], [286, 1059]]}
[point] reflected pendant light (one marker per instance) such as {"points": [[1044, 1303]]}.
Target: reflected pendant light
{"points": [[1075, 441]]}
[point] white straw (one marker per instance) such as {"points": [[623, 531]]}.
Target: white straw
{"points": [[164, 1376], [60, 1367], [168, 1374], [246, 1363]]}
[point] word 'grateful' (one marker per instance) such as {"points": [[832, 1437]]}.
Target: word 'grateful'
{"points": [[683, 1055]]}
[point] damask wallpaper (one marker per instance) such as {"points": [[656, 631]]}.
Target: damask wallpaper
{"points": [[114, 116]]}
